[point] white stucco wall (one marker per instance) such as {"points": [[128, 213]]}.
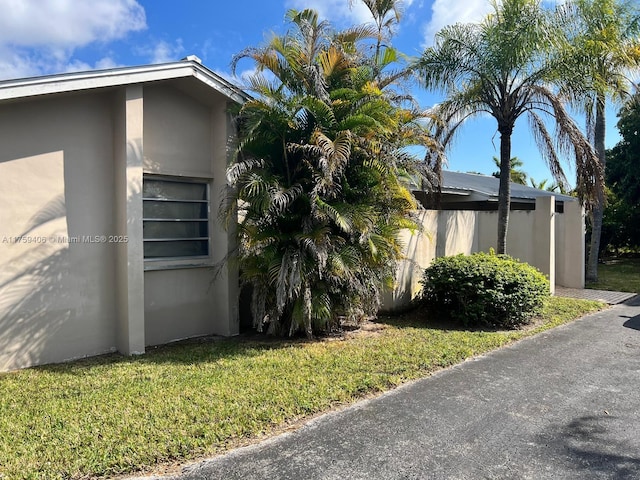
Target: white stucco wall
{"points": [[420, 250], [570, 246], [177, 133], [456, 233], [128, 156], [178, 304], [552, 242], [520, 242], [56, 187], [71, 169], [530, 236], [184, 137]]}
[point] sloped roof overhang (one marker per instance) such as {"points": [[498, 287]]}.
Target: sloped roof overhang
{"points": [[95, 79]]}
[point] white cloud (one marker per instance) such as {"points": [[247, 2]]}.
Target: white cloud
{"points": [[15, 65], [21, 63], [336, 11], [162, 51], [447, 12], [107, 62], [40, 36], [79, 66], [67, 23]]}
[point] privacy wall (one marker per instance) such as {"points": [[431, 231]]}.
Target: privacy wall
{"points": [[552, 242]]}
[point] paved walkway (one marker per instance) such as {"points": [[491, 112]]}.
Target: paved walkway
{"points": [[612, 298], [560, 405]]}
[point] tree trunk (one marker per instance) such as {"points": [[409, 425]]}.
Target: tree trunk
{"points": [[504, 194], [598, 209]]}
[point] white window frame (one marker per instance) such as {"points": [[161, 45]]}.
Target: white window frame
{"points": [[163, 263]]}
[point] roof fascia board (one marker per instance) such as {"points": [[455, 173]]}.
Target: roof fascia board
{"points": [[79, 81], [220, 84]]}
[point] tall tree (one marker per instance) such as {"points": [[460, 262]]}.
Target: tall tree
{"points": [[502, 67], [318, 178], [604, 38]]}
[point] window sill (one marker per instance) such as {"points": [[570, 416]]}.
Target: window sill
{"points": [[183, 263]]}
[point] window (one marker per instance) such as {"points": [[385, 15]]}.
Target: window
{"points": [[175, 218]]}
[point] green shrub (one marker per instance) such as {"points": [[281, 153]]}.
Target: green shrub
{"points": [[484, 289]]}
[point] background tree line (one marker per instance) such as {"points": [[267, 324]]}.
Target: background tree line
{"points": [[621, 224]]}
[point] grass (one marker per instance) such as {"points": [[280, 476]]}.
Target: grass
{"points": [[111, 415], [618, 274]]}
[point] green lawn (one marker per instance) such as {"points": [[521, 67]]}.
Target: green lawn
{"points": [[618, 274], [113, 414]]}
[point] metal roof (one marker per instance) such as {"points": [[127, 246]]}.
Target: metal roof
{"points": [[458, 182]]}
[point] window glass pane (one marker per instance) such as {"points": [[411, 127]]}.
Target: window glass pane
{"points": [[151, 209], [174, 190], [168, 208], [184, 248], [175, 229]]}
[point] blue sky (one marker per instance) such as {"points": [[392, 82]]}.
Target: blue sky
{"points": [[51, 36]]}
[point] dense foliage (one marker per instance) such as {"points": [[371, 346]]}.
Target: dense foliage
{"points": [[623, 173], [621, 224], [603, 47], [320, 172], [484, 290]]}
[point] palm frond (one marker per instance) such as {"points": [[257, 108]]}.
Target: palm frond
{"points": [[547, 147]]}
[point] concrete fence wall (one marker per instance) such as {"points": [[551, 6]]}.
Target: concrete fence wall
{"points": [[552, 242]]}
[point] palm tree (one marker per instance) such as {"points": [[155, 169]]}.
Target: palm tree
{"points": [[549, 187], [516, 176], [604, 38], [542, 185], [501, 67], [318, 179], [386, 16]]}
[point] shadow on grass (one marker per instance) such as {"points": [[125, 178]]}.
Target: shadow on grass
{"points": [[211, 349], [421, 320], [196, 351], [419, 317], [592, 446]]}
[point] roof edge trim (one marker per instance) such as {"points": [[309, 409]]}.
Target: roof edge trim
{"points": [[78, 81]]}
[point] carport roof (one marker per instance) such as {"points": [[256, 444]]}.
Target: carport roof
{"points": [[487, 186]]}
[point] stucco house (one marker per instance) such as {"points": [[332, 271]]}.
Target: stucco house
{"points": [[109, 187], [110, 182]]}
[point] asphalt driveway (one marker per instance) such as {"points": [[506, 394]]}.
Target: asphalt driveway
{"points": [[562, 405]]}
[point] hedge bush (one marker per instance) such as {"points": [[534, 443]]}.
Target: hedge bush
{"points": [[484, 289]]}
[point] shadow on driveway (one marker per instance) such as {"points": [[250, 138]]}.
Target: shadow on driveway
{"points": [[593, 445], [633, 323]]}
